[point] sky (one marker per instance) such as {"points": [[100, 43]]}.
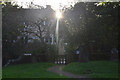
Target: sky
{"points": [[55, 4]]}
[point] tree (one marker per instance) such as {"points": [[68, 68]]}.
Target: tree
{"points": [[87, 22], [40, 29], [11, 30], [19, 32]]}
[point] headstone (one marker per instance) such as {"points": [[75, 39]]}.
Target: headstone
{"points": [[114, 54], [83, 54]]}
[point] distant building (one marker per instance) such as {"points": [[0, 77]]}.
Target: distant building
{"points": [[26, 16]]}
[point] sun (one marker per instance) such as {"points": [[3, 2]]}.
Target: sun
{"points": [[58, 14]]}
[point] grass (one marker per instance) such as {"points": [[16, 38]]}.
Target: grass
{"points": [[94, 69], [36, 70]]}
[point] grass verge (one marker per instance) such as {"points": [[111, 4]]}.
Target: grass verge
{"points": [[36, 70], [94, 69]]}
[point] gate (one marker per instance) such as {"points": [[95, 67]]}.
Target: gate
{"points": [[63, 59], [60, 59]]}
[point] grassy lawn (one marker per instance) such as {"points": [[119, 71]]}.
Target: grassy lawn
{"points": [[94, 69], [37, 70]]}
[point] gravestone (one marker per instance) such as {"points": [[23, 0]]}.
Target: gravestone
{"points": [[114, 54], [83, 54]]}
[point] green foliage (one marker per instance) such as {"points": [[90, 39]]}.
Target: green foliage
{"points": [[94, 69], [36, 48], [11, 29], [40, 50], [87, 22], [107, 2], [16, 32]]}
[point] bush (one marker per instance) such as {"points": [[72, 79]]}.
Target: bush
{"points": [[99, 56]]}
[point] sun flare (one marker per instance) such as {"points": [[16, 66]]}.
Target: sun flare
{"points": [[58, 14]]}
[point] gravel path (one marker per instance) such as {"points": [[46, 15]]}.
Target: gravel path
{"points": [[58, 69]]}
